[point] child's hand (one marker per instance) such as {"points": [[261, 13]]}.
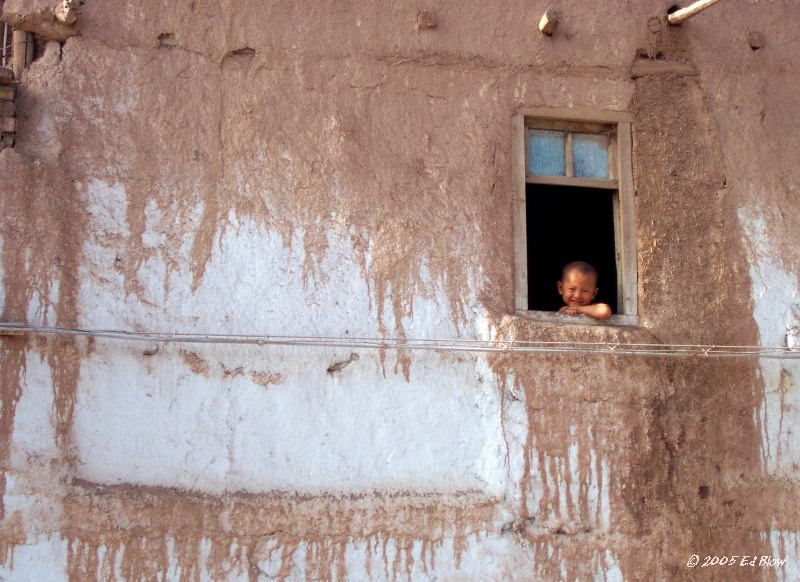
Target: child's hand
{"points": [[599, 311]]}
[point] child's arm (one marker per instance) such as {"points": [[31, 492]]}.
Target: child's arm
{"points": [[596, 310]]}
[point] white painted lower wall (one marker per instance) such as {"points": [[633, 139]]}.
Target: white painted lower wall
{"points": [[776, 297]]}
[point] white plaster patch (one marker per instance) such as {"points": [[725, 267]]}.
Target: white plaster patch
{"points": [[310, 432], [786, 554], [158, 428], [152, 237], [230, 418], [102, 301], [44, 558], [34, 477], [34, 432], [514, 434], [494, 463], [153, 274], [108, 206], [607, 568], [252, 283], [361, 431], [776, 297]]}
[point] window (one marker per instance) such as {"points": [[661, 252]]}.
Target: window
{"points": [[573, 200]]}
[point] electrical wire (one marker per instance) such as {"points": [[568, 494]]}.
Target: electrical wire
{"points": [[452, 345]]}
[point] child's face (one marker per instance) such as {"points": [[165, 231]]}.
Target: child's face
{"points": [[577, 289]]}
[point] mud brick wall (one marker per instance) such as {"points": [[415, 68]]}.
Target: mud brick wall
{"points": [[344, 170]]}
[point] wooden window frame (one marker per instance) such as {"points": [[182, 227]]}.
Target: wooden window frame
{"points": [[621, 181], [7, 46]]}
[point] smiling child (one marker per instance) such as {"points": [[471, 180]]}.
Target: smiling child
{"points": [[578, 288]]}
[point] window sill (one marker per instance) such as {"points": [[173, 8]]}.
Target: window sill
{"points": [[553, 317]]}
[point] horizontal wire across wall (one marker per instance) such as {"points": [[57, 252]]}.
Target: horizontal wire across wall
{"points": [[442, 345]]}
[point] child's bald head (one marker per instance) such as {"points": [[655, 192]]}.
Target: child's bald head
{"points": [[581, 267]]}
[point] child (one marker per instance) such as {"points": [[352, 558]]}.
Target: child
{"points": [[578, 288]]}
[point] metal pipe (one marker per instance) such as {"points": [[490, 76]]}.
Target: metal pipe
{"points": [[685, 13]]}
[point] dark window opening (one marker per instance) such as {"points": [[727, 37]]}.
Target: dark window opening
{"points": [[565, 224]]}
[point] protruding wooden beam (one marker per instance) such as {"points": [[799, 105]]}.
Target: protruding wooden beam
{"points": [[66, 12], [685, 13], [53, 23], [426, 20], [550, 21]]}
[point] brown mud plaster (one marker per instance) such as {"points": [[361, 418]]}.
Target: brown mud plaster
{"points": [[64, 359], [653, 421], [585, 432], [335, 147], [196, 363], [707, 431], [785, 385], [202, 367], [265, 379], [404, 201], [141, 528], [42, 237], [12, 369]]}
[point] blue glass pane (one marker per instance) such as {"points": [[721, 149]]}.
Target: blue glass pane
{"points": [[547, 152], [590, 155]]}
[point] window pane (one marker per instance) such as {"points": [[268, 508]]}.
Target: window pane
{"points": [[547, 152], [590, 155]]}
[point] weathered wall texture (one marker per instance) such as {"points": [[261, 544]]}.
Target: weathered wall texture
{"points": [[331, 169]]}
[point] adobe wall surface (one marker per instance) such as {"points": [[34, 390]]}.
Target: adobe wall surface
{"points": [[334, 170]]}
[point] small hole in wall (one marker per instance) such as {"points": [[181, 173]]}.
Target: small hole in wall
{"points": [[167, 39], [241, 56], [704, 491], [673, 8], [243, 52], [643, 53], [755, 40]]}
